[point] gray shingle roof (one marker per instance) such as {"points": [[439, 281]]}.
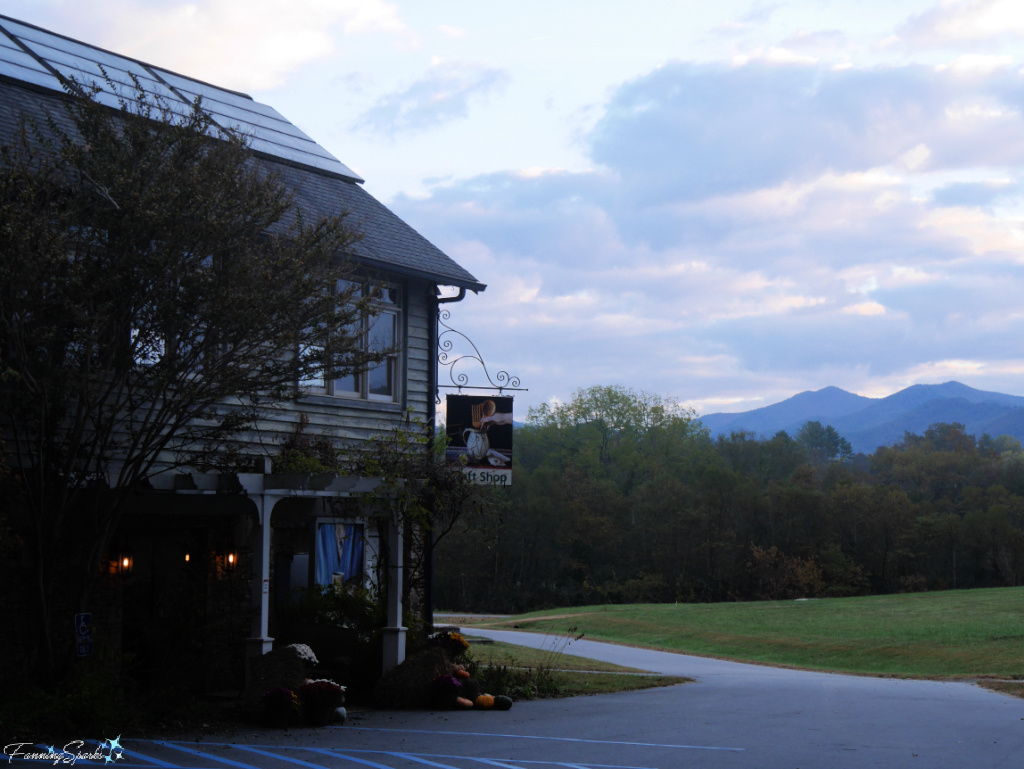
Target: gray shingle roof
{"points": [[32, 58]]}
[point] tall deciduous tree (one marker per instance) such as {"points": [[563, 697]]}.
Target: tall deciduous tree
{"points": [[158, 289], [823, 443]]}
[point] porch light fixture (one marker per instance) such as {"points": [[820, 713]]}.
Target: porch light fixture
{"points": [[125, 562], [228, 556]]}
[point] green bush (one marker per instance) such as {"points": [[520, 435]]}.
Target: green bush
{"points": [[513, 682]]}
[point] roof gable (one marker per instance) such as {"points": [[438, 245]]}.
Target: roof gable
{"points": [[41, 61], [43, 58]]}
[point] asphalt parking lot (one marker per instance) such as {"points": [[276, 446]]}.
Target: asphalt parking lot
{"points": [[733, 716]]}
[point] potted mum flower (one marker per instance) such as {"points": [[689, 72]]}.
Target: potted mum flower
{"points": [[320, 701], [451, 641]]}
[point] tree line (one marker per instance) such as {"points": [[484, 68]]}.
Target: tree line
{"points": [[620, 496]]}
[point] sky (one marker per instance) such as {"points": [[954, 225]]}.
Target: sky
{"points": [[722, 203]]}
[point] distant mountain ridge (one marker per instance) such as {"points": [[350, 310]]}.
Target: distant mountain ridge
{"points": [[868, 423]]}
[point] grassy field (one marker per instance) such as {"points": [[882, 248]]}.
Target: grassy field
{"points": [[953, 634]]}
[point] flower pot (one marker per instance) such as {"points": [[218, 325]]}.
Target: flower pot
{"points": [[318, 716]]}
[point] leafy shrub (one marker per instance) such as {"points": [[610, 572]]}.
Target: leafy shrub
{"points": [[518, 683]]}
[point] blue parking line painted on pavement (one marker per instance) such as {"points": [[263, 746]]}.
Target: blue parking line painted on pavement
{"points": [[555, 739], [419, 760], [356, 756], [219, 759], [419, 757], [134, 754], [345, 756], [279, 756], [492, 762], [342, 754], [352, 755]]}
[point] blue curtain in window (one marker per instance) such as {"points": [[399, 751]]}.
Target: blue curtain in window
{"points": [[352, 552], [327, 558], [339, 550]]}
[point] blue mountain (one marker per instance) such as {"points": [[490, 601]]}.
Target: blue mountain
{"points": [[868, 423]]}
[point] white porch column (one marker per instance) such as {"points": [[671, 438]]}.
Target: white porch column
{"points": [[259, 643], [394, 632]]}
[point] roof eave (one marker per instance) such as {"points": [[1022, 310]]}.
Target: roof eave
{"points": [[441, 280]]}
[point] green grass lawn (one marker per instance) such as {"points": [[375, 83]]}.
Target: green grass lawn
{"points": [[953, 634], [498, 653], [570, 675]]}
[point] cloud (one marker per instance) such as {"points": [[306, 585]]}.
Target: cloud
{"points": [[757, 16], [818, 42], [981, 232], [444, 95], [768, 219], [960, 22], [249, 49], [865, 308], [976, 194], [451, 31], [691, 131]]}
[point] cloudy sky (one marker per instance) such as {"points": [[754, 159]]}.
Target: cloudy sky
{"points": [[727, 203]]}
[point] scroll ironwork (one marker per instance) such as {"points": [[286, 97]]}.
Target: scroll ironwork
{"points": [[449, 358]]}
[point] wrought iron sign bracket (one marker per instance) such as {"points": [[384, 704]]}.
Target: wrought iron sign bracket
{"points": [[448, 358]]}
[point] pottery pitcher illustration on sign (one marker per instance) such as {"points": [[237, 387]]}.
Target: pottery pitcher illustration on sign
{"points": [[479, 429]]}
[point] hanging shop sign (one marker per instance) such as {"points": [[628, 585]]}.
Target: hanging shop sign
{"points": [[479, 429]]}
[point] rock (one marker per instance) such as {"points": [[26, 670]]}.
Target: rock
{"points": [[282, 667]]}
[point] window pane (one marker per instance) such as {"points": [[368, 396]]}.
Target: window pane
{"points": [[347, 385], [147, 349], [384, 294], [345, 285], [381, 380], [314, 379], [350, 383], [382, 332], [189, 349], [381, 377]]}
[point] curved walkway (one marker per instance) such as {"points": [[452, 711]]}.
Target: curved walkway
{"points": [[806, 719]]}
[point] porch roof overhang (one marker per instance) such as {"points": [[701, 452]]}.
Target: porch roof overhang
{"points": [[304, 485]]}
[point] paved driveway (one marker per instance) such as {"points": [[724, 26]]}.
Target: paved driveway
{"points": [[734, 716]]}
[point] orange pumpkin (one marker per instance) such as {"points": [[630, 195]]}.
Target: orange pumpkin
{"points": [[485, 702], [461, 673]]}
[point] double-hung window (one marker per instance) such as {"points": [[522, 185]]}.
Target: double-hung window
{"points": [[378, 331]]}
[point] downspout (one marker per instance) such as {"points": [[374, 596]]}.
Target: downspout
{"points": [[428, 559]]}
